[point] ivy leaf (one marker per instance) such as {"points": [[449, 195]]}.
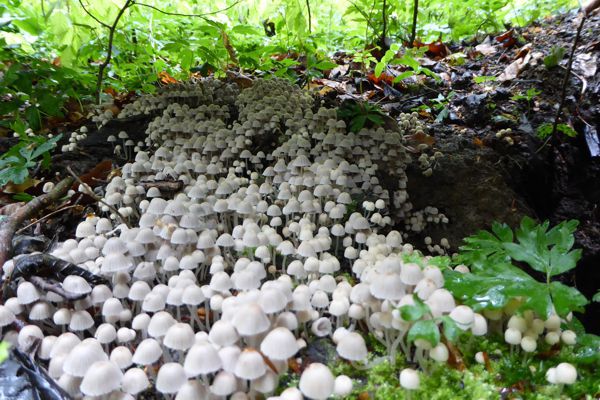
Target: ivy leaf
{"points": [[46, 146], [450, 328], [566, 298], [424, 330], [415, 311]]}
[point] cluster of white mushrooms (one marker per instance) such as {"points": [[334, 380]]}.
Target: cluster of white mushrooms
{"points": [[217, 286]]}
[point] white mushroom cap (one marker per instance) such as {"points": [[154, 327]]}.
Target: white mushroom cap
{"points": [[121, 356], [223, 333], [192, 390], [82, 356], [566, 373], [202, 359], [352, 347], [317, 382], [76, 284], [250, 320], [250, 365], [439, 353], [179, 336], [223, 384], [101, 378], [279, 344], [135, 381], [6, 316], [291, 393], [409, 379], [343, 386], [28, 336], [64, 344], [147, 352], [171, 377]]}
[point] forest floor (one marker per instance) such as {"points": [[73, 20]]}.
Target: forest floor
{"points": [[484, 176]]}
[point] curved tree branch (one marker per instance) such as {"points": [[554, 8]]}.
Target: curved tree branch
{"points": [[93, 16], [111, 37], [203, 16], [9, 225]]}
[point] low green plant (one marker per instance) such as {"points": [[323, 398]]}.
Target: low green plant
{"points": [[361, 114], [544, 131], [484, 79], [25, 155], [556, 55], [495, 281], [527, 96]]}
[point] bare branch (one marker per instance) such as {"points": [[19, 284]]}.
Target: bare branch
{"points": [[93, 16], [9, 225], [93, 195], [203, 16]]}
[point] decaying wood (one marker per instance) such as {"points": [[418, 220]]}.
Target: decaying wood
{"points": [[10, 224]]}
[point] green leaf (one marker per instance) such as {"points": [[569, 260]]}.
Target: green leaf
{"points": [[587, 349], [566, 299], [424, 330], [404, 75], [414, 312], [46, 146], [483, 79], [379, 68], [450, 328], [596, 297], [325, 65], [17, 174], [556, 55], [496, 286], [4, 351]]}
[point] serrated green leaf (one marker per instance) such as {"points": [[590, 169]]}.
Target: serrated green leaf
{"points": [[424, 330], [566, 298]]}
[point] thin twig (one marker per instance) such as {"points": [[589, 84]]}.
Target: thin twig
{"points": [[563, 93], [383, 31], [111, 37], [309, 16], [99, 199], [203, 16], [413, 33], [55, 287], [104, 24], [9, 225], [45, 217]]}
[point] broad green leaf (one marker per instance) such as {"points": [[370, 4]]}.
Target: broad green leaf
{"points": [[587, 349], [450, 328], [414, 312], [566, 299], [424, 330], [325, 65], [46, 146]]}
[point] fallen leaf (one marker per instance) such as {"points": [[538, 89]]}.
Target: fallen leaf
{"points": [[478, 142], [165, 78], [585, 64], [11, 188], [98, 174], [513, 70], [485, 49], [438, 49], [422, 138]]}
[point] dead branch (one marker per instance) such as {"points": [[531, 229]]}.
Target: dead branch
{"points": [[93, 195], [9, 225], [46, 286]]}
